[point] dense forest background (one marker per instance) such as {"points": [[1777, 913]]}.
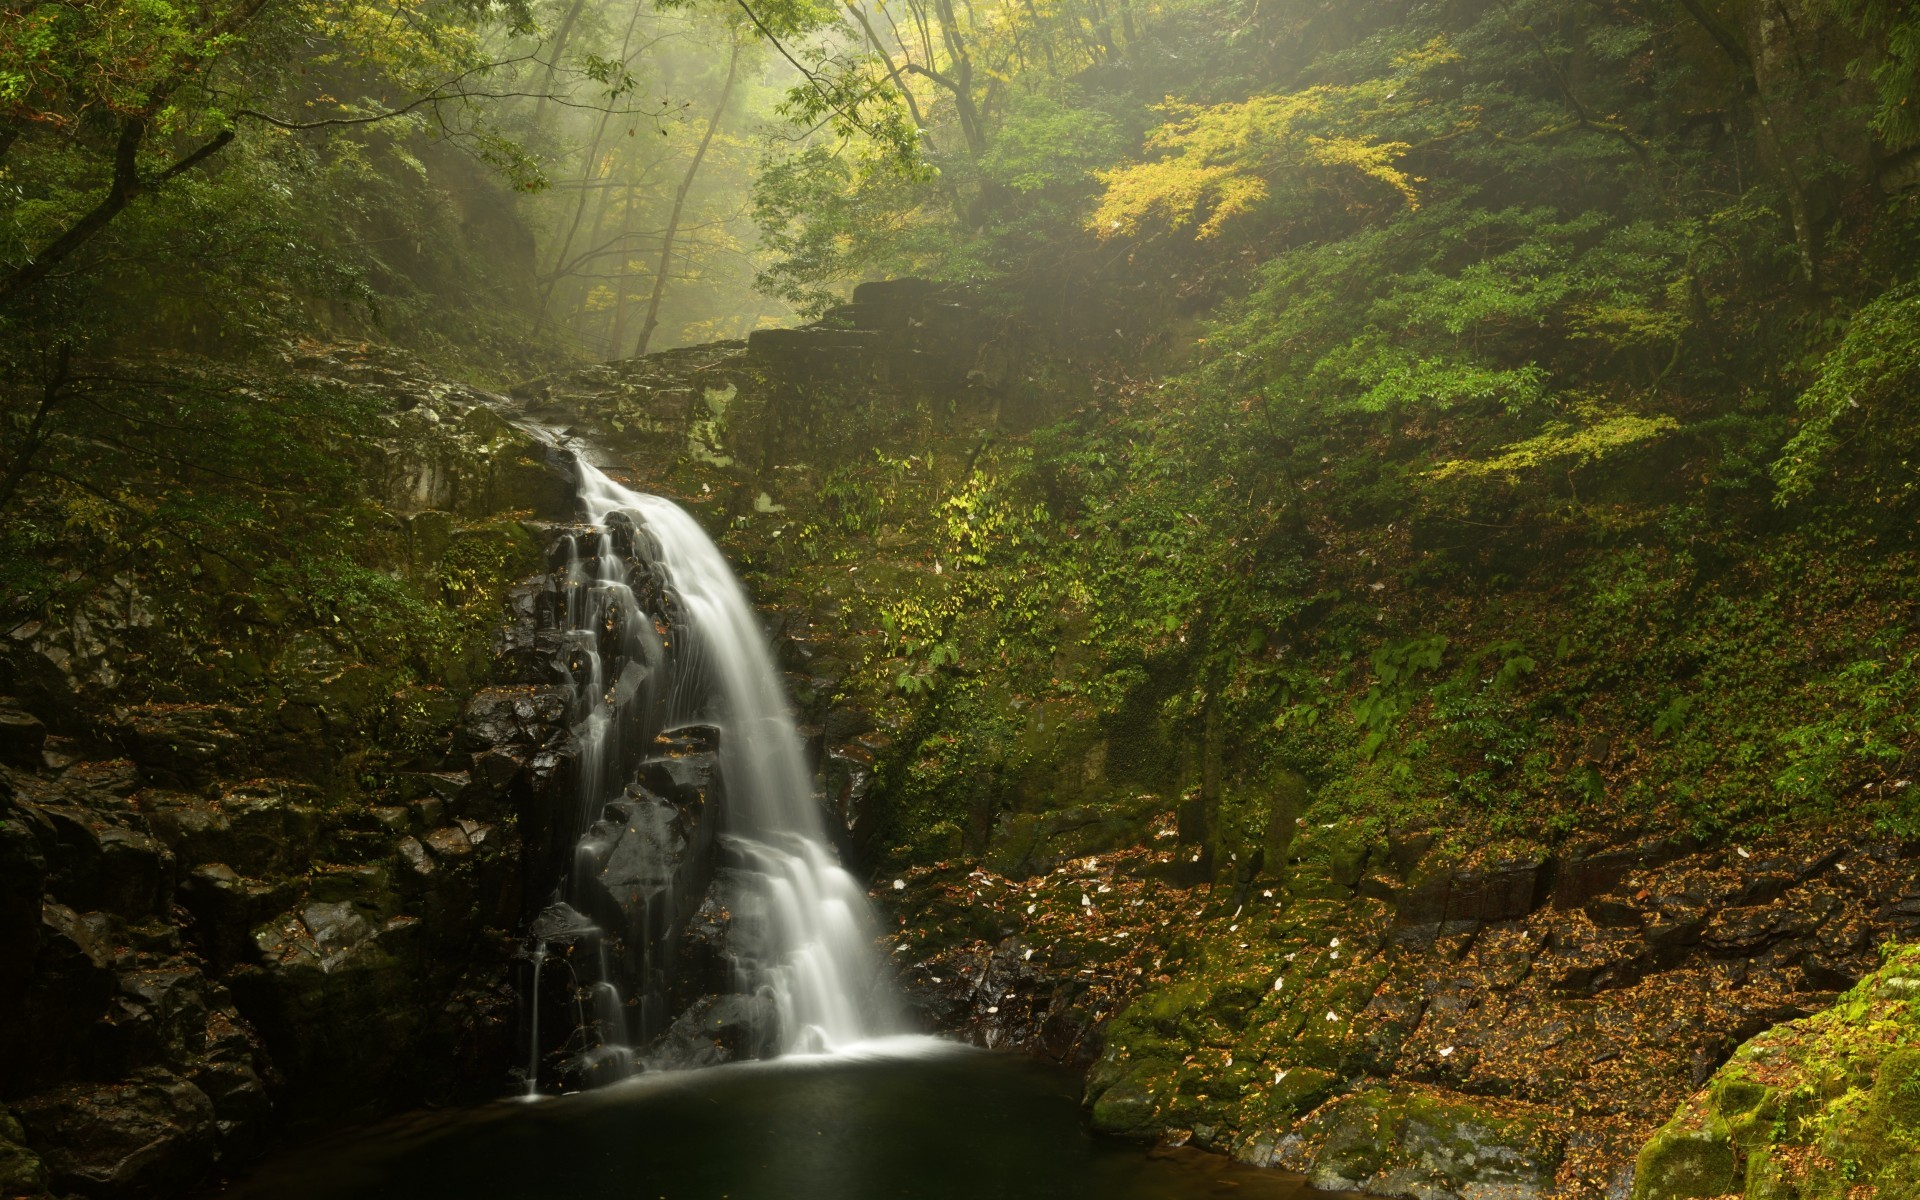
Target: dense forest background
{"points": [[1480, 422], [1526, 274]]}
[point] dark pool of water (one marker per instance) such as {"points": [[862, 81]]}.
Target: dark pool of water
{"points": [[929, 1125]]}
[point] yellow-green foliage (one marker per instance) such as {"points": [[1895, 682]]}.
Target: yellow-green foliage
{"points": [[1215, 164], [1216, 160], [1866, 381], [1563, 444]]}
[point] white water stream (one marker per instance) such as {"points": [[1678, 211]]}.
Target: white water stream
{"points": [[815, 929]]}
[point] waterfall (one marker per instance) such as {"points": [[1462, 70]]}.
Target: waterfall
{"points": [[669, 669]]}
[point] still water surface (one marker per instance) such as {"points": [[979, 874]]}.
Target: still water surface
{"points": [[916, 1120]]}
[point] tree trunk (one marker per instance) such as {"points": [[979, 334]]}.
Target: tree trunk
{"points": [[586, 175], [893, 72], [962, 85], [125, 188], [126, 183], [913, 106], [621, 299], [1798, 210], [560, 37], [652, 321], [53, 389]]}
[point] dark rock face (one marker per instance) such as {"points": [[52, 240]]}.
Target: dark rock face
{"points": [[818, 392], [605, 968], [23, 738], [719, 1029], [224, 918], [185, 744], [239, 915], [1445, 901], [196, 951], [906, 331], [22, 1173], [181, 972], [23, 876], [152, 1135], [643, 407]]}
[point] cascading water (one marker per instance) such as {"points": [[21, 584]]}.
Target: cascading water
{"points": [[662, 655]]}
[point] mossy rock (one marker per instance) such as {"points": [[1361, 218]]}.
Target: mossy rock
{"points": [[429, 533], [1328, 863], [1130, 1107], [1845, 1081], [1254, 827], [1298, 1091], [1420, 1143], [1690, 1160], [1468, 1143], [1896, 1094], [1030, 843], [21, 1171], [1359, 1135]]}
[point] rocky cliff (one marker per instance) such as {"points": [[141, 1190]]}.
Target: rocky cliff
{"points": [[250, 877]]}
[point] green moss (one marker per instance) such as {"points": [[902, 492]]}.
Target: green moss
{"points": [[1441, 1143], [1128, 1106], [1845, 1082], [21, 1171], [1690, 1161], [1359, 1135], [1896, 1094], [1296, 1092], [1327, 861]]}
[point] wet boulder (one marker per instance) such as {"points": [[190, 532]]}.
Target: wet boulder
{"points": [[515, 715], [150, 1136], [649, 862], [97, 861], [334, 992], [703, 963], [157, 1016], [1128, 1107], [23, 878], [683, 779], [217, 900], [449, 450], [180, 743], [259, 828], [69, 990], [21, 1171], [526, 656], [1436, 1146], [514, 721], [719, 1029], [23, 737]]}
